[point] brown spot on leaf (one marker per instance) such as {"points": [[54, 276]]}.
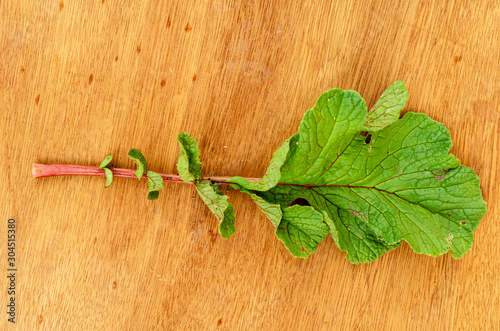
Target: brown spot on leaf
{"points": [[219, 322], [116, 58], [91, 78], [188, 28], [102, 1], [138, 49], [440, 174], [163, 82], [303, 249], [61, 6], [169, 22], [368, 138], [40, 318], [360, 214], [458, 58], [95, 240], [194, 77], [37, 100], [463, 222], [114, 285], [22, 69]]}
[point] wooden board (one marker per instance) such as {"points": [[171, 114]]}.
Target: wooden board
{"points": [[83, 79]]}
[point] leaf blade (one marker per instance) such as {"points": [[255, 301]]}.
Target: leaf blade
{"points": [[188, 165], [153, 195], [387, 109], [155, 184], [301, 229], [109, 177], [401, 185], [350, 233], [140, 160], [105, 162], [338, 115]]}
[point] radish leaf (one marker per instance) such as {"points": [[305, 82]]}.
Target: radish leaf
{"points": [[401, 185]]}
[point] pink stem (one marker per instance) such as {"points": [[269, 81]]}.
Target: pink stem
{"points": [[49, 170]]}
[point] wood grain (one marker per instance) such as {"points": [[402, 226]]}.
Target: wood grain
{"points": [[83, 79]]}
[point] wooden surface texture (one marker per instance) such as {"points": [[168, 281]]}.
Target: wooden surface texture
{"points": [[82, 79]]}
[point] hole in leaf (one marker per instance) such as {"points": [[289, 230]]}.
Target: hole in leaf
{"points": [[368, 139], [299, 202]]}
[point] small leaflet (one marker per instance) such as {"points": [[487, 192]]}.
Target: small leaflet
{"points": [[189, 165], [140, 160], [153, 195], [106, 161], [107, 171], [387, 109], [155, 184], [109, 177]]}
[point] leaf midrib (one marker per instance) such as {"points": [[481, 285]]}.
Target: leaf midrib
{"points": [[311, 187]]}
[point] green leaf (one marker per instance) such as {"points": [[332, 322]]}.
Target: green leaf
{"points": [[155, 181], [371, 193], [189, 165], [155, 184], [137, 156], [109, 177], [226, 226], [219, 206], [402, 185], [301, 229], [272, 174], [386, 110], [356, 237], [106, 161], [325, 131], [153, 195], [107, 172]]}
